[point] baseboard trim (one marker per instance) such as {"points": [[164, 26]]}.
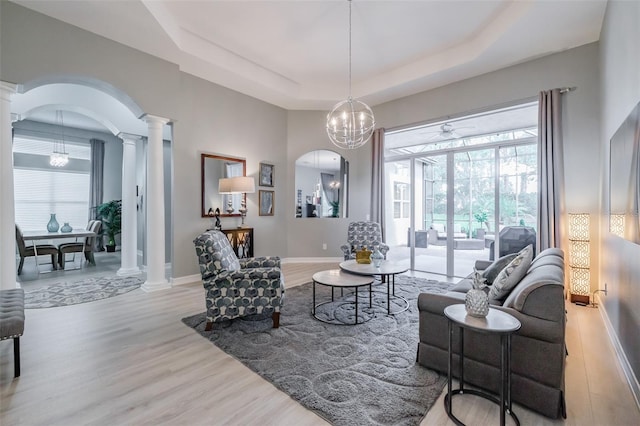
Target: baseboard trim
{"points": [[632, 380], [188, 279], [311, 259]]}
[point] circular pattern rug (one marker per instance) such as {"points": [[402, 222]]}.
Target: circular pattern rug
{"points": [[83, 291]]}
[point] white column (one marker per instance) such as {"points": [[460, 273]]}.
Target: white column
{"points": [[156, 279], [7, 213], [129, 235]]}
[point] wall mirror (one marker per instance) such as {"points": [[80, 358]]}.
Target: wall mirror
{"points": [[322, 185], [213, 168], [624, 179]]}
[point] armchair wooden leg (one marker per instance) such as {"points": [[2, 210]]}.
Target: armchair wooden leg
{"points": [[276, 319], [208, 326]]}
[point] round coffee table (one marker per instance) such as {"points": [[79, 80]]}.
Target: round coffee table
{"points": [[496, 322], [335, 278], [387, 272]]}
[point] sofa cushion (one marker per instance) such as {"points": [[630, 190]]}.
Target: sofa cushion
{"points": [[511, 275], [492, 271]]}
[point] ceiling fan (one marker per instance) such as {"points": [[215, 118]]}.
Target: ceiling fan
{"points": [[447, 131]]}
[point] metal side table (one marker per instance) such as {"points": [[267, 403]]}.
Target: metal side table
{"points": [[496, 322]]}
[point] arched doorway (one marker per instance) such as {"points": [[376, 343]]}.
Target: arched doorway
{"points": [[95, 110]]}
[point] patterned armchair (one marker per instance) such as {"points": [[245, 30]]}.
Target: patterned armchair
{"points": [[363, 234], [237, 287]]}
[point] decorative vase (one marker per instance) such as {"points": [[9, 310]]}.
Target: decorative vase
{"points": [[66, 227], [376, 257], [53, 224], [476, 301]]}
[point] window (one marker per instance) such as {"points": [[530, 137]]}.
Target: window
{"points": [[401, 200], [40, 189]]}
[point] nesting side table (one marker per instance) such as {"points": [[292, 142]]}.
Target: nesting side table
{"points": [[496, 322]]}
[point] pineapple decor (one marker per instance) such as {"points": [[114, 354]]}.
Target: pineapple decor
{"points": [[477, 300]]}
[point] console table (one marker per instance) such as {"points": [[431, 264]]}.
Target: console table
{"points": [[241, 240]]}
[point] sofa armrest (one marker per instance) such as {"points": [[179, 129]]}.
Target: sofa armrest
{"points": [[243, 276], [260, 262], [532, 327], [537, 328]]}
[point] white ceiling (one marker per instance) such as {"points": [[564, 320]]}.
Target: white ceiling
{"points": [[294, 54]]}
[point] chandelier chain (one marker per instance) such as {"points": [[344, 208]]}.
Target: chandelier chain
{"points": [[349, 49]]}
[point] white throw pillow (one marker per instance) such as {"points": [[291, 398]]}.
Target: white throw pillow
{"points": [[510, 276]]}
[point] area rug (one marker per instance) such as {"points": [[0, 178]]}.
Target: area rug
{"points": [[363, 374], [72, 293]]}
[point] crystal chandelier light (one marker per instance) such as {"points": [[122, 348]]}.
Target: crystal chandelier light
{"points": [[351, 123], [59, 156]]}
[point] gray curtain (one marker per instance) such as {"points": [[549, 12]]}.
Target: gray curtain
{"points": [[550, 169], [377, 178], [96, 182]]}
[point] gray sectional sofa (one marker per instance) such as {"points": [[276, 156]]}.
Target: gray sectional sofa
{"points": [[538, 348]]}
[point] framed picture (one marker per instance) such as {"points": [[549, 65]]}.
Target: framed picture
{"points": [[266, 201], [266, 174]]}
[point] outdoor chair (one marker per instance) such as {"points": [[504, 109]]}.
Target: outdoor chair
{"points": [[26, 251], [80, 246], [363, 234], [237, 287]]}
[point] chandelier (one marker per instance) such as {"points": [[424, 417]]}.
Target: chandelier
{"points": [[351, 123], [59, 156]]}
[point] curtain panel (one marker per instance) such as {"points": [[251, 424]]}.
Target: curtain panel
{"points": [[377, 178], [551, 200]]}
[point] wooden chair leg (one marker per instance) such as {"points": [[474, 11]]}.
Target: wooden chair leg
{"points": [[54, 261], [16, 356], [208, 326], [276, 319]]}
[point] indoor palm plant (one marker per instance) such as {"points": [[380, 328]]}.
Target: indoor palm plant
{"points": [[110, 213]]}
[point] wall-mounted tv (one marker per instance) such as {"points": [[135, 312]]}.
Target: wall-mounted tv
{"points": [[624, 179]]}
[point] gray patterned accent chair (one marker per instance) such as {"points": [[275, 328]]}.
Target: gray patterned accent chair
{"points": [[237, 287], [363, 234]]}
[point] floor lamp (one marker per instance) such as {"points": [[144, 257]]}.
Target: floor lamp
{"points": [[579, 258]]}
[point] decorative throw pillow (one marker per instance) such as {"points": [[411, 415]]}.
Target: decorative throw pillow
{"points": [[511, 275], [492, 271]]}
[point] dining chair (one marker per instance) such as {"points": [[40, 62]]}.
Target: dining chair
{"points": [[27, 251], [85, 246]]}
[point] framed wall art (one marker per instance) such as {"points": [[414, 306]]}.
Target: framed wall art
{"points": [[266, 202], [266, 174]]}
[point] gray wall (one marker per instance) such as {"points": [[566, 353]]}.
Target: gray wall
{"points": [[620, 92]]}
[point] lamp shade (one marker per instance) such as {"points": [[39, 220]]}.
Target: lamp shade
{"points": [[224, 186], [236, 185]]}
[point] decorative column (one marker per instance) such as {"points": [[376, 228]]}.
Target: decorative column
{"points": [[7, 213], [156, 279], [129, 235]]}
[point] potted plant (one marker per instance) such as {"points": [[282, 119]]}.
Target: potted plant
{"points": [[110, 213]]}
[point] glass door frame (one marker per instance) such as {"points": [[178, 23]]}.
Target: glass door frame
{"points": [[450, 153]]}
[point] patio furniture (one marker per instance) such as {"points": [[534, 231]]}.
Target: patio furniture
{"points": [[513, 239]]}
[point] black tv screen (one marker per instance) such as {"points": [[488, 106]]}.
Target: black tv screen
{"points": [[624, 179]]}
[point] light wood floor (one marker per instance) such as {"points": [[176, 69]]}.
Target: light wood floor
{"points": [[130, 360]]}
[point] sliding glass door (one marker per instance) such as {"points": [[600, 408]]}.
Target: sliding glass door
{"points": [[453, 198]]}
